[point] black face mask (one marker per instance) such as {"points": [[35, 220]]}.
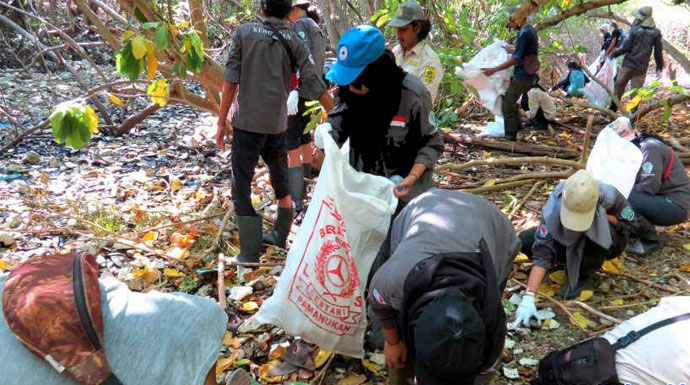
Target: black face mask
{"points": [[369, 116]]}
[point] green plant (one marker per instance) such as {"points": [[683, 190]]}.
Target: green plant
{"points": [[73, 122]]}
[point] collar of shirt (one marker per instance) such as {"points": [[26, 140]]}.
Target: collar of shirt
{"points": [[274, 20], [416, 50]]}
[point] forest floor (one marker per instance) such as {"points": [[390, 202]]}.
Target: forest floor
{"points": [[150, 203]]}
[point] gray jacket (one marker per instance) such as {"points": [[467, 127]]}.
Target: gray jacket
{"points": [[315, 40], [261, 65], [551, 231], [655, 161], [438, 221], [415, 114], [638, 46]]}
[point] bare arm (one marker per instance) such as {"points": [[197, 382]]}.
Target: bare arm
{"points": [[507, 64], [536, 275], [326, 101], [224, 130]]}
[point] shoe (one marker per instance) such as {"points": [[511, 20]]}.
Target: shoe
{"points": [[569, 293], [512, 138], [281, 228], [642, 248], [251, 233], [296, 186], [238, 377]]}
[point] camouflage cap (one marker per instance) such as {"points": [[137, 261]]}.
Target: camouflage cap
{"points": [[407, 13]]}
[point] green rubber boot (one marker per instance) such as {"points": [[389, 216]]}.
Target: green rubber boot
{"points": [[251, 233], [281, 228], [296, 186]]}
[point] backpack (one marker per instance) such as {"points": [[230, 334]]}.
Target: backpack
{"points": [[592, 361], [52, 304]]}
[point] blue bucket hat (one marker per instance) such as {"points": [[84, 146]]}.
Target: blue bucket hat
{"points": [[358, 47]]}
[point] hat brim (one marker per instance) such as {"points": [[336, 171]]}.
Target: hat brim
{"points": [[343, 75], [398, 22], [576, 221]]}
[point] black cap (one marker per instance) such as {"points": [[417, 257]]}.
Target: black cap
{"points": [[449, 342]]}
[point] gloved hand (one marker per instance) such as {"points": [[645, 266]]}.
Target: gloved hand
{"points": [[292, 102], [526, 311], [320, 131]]}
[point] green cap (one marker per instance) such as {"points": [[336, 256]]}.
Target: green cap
{"points": [[407, 13]]}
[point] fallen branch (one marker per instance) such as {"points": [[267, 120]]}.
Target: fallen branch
{"points": [[661, 103], [322, 374], [588, 139], [505, 161], [24, 135], [606, 111], [526, 197], [597, 313], [132, 121], [537, 175], [642, 280], [222, 299], [633, 304], [513, 147], [499, 187]]}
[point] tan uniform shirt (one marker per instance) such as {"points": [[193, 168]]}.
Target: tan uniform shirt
{"points": [[422, 62]]}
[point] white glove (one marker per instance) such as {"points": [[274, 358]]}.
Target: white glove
{"points": [[321, 130], [292, 102], [526, 311]]}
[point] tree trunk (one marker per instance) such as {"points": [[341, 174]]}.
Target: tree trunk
{"points": [[98, 23], [672, 51], [335, 17], [527, 8], [574, 11], [196, 9]]}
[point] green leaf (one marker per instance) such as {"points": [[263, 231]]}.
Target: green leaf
{"points": [[197, 44], [382, 20], [629, 93], [679, 90], [162, 37], [150, 24], [139, 15], [312, 124], [194, 60], [667, 110], [127, 64]]}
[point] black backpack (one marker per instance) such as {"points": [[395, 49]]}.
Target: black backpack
{"points": [[591, 362]]}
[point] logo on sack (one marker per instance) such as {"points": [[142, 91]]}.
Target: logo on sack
{"points": [[326, 290]]}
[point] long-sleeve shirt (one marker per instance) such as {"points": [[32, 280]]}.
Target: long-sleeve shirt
{"points": [[315, 40], [650, 178], [260, 64], [638, 47], [414, 119], [438, 221], [423, 62]]}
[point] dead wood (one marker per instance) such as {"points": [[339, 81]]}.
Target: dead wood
{"points": [[512, 147], [505, 161]]}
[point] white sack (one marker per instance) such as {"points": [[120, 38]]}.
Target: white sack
{"points": [[320, 294], [614, 161], [594, 92]]}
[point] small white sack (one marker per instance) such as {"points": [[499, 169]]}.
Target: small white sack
{"points": [[320, 294], [594, 92], [614, 161], [489, 88]]}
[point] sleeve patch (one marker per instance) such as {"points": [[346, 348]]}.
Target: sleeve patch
{"points": [[628, 213], [429, 74], [301, 34], [542, 232], [379, 297], [648, 167]]}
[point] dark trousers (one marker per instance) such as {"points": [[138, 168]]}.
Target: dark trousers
{"points": [[625, 75], [593, 255], [246, 149], [511, 117], [658, 209], [539, 121]]}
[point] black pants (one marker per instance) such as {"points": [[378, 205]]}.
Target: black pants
{"points": [[658, 209], [296, 125], [593, 255], [246, 148]]}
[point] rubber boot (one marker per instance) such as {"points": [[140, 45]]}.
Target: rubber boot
{"points": [[296, 186], [238, 377], [567, 292], [647, 239], [306, 170], [250, 238], [281, 228]]}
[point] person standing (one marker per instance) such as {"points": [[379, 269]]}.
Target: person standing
{"points": [[583, 223], [637, 48], [526, 62], [305, 18], [260, 63], [661, 193], [438, 298], [606, 45], [413, 52]]}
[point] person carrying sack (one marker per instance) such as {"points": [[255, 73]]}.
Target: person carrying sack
{"points": [[438, 298], [261, 61], [526, 61], [648, 349]]}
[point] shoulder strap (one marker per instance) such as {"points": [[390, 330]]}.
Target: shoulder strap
{"points": [[279, 36], [636, 335], [670, 165]]}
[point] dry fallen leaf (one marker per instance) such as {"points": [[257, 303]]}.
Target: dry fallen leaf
{"points": [[250, 306], [372, 367], [614, 265], [150, 236], [3, 265], [579, 320], [149, 275], [687, 246], [177, 253], [172, 273], [175, 183], [277, 352], [263, 374], [356, 379], [549, 289], [559, 277], [585, 295], [617, 302], [321, 357], [224, 363]]}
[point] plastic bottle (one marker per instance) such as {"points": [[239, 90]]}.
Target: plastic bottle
{"points": [[397, 179]]}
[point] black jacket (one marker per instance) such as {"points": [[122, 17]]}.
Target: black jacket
{"points": [[638, 48]]}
